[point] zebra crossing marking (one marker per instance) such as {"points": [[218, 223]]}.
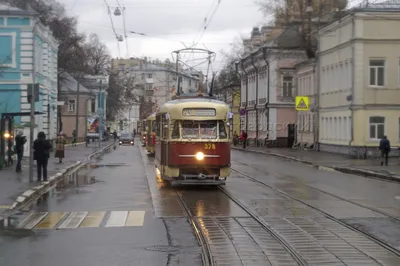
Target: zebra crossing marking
{"points": [[73, 220], [82, 219], [93, 219], [117, 219]]}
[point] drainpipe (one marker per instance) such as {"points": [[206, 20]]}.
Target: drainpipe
{"points": [[247, 95], [317, 69], [352, 86], [255, 106], [268, 88]]}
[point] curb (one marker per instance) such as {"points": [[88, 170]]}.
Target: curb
{"points": [[42, 188], [346, 170]]}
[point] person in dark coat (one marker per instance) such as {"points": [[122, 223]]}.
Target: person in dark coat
{"points": [[384, 147], [41, 147], [19, 149]]}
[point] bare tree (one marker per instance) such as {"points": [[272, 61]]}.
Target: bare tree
{"points": [[293, 13], [97, 55], [121, 94]]}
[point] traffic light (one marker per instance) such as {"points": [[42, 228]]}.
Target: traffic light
{"points": [[121, 125]]}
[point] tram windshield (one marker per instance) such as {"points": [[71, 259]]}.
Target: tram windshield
{"points": [[203, 129]]}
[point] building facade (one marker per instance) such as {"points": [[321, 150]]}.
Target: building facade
{"points": [[359, 92], [156, 83], [267, 87], [306, 121], [76, 108], [28, 55]]}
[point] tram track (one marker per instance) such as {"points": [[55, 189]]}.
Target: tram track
{"points": [[329, 216], [328, 193], [280, 248], [208, 259], [298, 258]]}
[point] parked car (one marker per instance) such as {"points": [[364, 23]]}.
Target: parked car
{"points": [[126, 138]]}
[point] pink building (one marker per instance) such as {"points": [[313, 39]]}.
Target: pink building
{"points": [[267, 88]]}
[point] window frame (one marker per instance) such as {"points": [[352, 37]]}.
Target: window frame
{"points": [[376, 73], [69, 105], [291, 86], [376, 138]]}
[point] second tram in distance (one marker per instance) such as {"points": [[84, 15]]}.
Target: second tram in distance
{"points": [[151, 136], [192, 142]]}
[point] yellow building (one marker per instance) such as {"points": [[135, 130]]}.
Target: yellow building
{"points": [[359, 92]]}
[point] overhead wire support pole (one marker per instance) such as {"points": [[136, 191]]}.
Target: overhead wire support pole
{"points": [[32, 111], [77, 110]]}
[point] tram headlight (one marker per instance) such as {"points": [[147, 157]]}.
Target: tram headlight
{"points": [[199, 156]]}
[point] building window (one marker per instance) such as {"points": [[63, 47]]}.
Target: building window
{"points": [[376, 72], [149, 76], [287, 83], [71, 105], [376, 127]]}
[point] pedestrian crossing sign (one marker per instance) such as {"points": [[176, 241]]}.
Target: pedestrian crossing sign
{"points": [[302, 103]]}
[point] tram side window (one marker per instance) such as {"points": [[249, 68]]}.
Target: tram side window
{"points": [[175, 130], [222, 130], [165, 127]]}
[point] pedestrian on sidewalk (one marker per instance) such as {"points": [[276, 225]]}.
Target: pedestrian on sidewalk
{"points": [[41, 154], [74, 138], [235, 138], [19, 149], [60, 147], [384, 147], [244, 138]]}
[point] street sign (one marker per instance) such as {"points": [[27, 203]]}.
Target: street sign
{"points": [[302, 103]]}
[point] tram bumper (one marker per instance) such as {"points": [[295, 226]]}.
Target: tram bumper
{"points": [[201, 179]]}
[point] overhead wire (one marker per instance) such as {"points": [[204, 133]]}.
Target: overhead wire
{"points": [[113, 28], [208, 22]]}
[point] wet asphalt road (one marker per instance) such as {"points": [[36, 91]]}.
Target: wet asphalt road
{"points": [[117, 212]]}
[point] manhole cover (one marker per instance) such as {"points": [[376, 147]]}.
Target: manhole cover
{"points": [[163, 249]]}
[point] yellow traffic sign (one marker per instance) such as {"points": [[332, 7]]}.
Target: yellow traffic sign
{"points": [[302, 103]]}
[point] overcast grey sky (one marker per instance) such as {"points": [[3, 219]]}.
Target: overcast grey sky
{"points": [[169, 22]]}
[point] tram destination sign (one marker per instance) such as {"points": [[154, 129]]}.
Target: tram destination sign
{"points": [[199, 112]]}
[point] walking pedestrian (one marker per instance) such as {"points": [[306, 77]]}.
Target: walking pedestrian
{"points": [[41, 147], [74, 138], [60, 147], [244, 139], [384, 147], [235, 138], [19, 149]]}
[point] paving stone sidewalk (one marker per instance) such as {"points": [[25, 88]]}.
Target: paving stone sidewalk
{"points": [[13, 184], [339, 162]]}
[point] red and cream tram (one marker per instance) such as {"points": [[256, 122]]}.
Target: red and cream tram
{"points": [[192, 142]]}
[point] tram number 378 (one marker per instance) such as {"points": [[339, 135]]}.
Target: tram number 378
{"points": [[209, 146]]}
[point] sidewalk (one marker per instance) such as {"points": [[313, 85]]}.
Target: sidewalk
{"points": [[338, 162], [13, 184]]}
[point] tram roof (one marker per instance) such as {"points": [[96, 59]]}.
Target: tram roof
{"points": [[175, 107]]}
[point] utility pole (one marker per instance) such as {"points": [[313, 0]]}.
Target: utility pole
{"points": [[101, 113], [77, 110], [33, 100]]}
